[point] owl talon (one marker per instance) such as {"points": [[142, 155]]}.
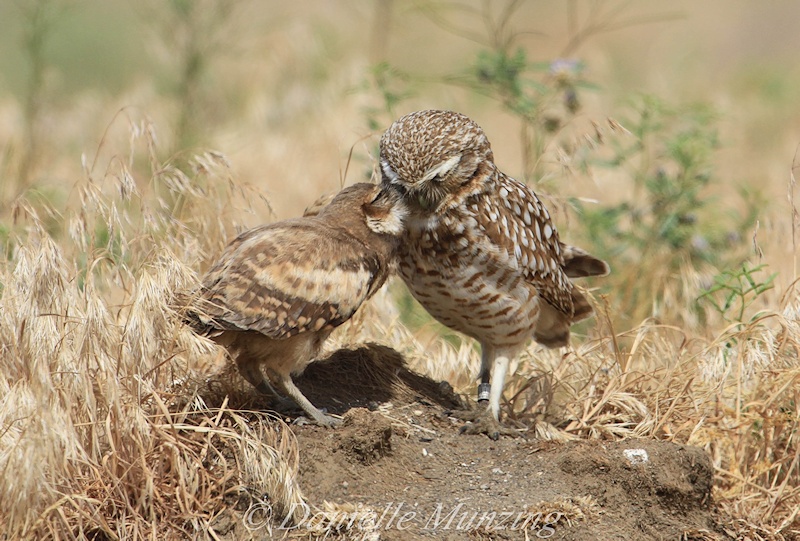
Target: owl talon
{"points": [[324, 420], [330, 422], [482, 422]]}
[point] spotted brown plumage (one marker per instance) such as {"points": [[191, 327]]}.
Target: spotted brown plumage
{"points": [[278, 290], [481, 252]]}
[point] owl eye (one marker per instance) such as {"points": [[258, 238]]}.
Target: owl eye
{"points": [[382, 194], [440, 171]]}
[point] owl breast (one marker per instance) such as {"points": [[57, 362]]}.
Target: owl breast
{"points": [[465, 281]]}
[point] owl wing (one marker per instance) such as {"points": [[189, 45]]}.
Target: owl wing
{"points": [[286, 278], [528, 241]]}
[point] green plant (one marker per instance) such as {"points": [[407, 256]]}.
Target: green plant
{"points": [[667, 237], [734, 290], [392, 87], [545, 95]]}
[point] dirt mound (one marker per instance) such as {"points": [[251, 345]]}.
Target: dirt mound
{"points": [[428, 481], [398, 469]]}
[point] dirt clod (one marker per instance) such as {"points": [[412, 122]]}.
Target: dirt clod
{"points": [[365, 436]]}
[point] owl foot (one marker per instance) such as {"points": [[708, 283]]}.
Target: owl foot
{"points": [[289, 408], [286, 384], [323, 420], [482, 422], [284, 406]]}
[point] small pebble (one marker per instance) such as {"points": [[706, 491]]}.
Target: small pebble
{"points": [[636, 456]]}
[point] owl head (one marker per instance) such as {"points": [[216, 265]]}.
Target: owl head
{"points": [[432, 156], [382, 208]]}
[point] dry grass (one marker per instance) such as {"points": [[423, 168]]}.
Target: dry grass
{"points": [[101, 433], [96, 365], [104, 435]]}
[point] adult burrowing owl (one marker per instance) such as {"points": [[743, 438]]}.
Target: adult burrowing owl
{"points": [[278, 290], [480, 252]]}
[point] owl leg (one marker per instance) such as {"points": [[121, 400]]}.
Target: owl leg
{"points": [[494, 367], [498, 381], [250, 370], [284, 381], [484, 387], [490, 389]]}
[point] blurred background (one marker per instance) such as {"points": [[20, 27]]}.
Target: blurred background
{"points": [[652, 127], [137, 138]]}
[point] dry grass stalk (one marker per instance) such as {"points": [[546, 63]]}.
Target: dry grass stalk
{"points": [[91, 441], [98, 431]]}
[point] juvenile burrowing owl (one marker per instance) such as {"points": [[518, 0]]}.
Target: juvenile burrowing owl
{"points": [[480, 251], [278, 290]]}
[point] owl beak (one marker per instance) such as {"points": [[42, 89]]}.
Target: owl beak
{"points": [[424, 202], [415, 194]]}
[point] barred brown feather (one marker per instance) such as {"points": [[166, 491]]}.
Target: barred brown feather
{"points": [[278, 290], [481, 252]]}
